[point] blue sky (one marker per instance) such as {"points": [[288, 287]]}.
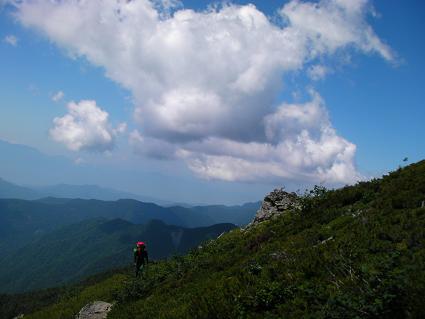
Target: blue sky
{"points": [[369, 100]]}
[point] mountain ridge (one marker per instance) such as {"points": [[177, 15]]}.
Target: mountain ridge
{"points": [[354, 252], [28, 217], [10, 190], [85, 191]]}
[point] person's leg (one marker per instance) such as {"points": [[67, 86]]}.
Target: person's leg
{"points": [[141, 269], [137, 270]]}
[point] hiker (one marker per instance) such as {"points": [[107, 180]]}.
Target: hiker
{"points": [[140, 254]]}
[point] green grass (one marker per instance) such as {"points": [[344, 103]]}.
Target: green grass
{"points": [[68, 306], [356, 252]]}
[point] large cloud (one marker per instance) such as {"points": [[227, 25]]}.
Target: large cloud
{"points": [[205, 83], [85, 127], [301, 145]]}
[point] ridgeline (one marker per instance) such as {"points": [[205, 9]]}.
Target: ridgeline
{"points": [[355, 252]]}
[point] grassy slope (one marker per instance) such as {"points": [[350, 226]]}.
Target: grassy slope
{"points": [[99, 286], [357, 252]]}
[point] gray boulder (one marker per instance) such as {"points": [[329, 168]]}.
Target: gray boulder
{"points": [[95, 310], [276, 203]]}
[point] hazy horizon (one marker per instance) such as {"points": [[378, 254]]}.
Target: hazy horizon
{"points": [[206, 102]]}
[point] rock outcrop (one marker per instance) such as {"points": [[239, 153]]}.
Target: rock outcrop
{"points": [[276, 203], [95, 310]]}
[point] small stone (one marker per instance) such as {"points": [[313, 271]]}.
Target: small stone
{"points": [[95, 310], [279, 255]]}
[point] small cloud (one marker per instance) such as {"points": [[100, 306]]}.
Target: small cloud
{"points": [[85, 127], [11, 40], [317, 72], [57, 96]]}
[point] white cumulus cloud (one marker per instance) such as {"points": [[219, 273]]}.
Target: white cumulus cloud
{"points": [[205, 83], [85, 127], [301, 145]]}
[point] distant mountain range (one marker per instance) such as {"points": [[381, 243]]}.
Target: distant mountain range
{"points": [[50, 235], [50, 241], [70, 194], [94, 192], [91, 246], [23, 220], [11, 190], [28, 167], [26, 164]]}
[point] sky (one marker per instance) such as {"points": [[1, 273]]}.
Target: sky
{"points": [[215, 102]]}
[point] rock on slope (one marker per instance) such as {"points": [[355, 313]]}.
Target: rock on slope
{"points": [[276, 203], [95, 310]]}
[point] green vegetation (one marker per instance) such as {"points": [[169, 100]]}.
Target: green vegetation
{"points": [[356, 252], [92, 246], [13, 305]]}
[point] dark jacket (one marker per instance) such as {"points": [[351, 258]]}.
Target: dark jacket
{"points": [[140, 256]]}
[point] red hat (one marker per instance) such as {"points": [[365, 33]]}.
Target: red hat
{"points": [[140, 243]]}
